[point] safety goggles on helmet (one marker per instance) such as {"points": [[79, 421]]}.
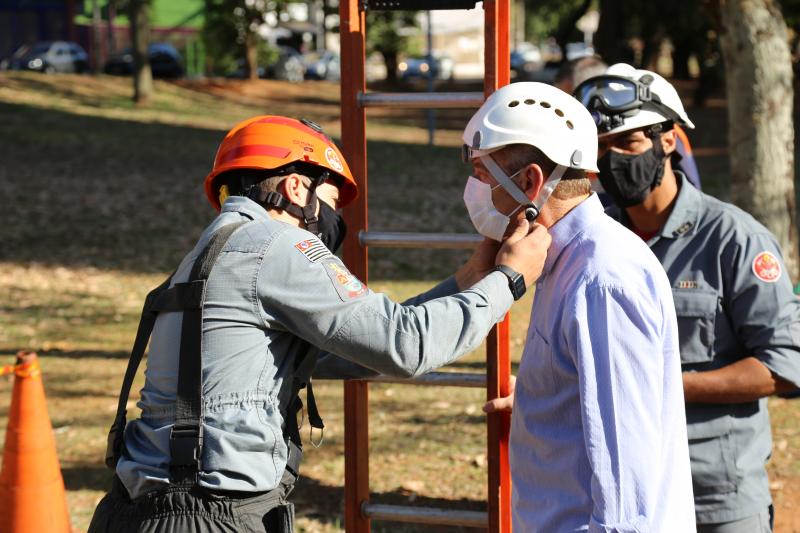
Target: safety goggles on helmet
{"points": [[611, 99]]}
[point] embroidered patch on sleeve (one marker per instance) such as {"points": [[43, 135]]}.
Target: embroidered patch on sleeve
{"points": [[766, 267], [313, 249], [347, 285]]}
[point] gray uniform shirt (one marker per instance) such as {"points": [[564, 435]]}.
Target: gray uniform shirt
{"points": [[273, 287], [734, 299]]}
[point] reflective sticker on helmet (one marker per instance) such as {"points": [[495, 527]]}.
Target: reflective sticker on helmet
{"points": [[766, 267], [347, 285], [333, 160], [313, 249]]}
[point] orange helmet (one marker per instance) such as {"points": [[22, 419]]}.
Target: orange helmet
{"points": [[270, 142]]}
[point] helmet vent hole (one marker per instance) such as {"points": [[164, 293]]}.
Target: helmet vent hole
{"points": [[544, 104], [530, 101], [559, 113], [570, 126], [513, 103]]}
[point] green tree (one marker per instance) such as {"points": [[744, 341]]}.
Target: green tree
{"points": [[230, 32], [385, 36], [555, 18]]}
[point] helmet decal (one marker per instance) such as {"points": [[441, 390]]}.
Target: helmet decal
{"points": [[333, 159]]}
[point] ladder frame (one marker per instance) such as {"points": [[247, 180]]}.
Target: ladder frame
{"points": [[354, 101]]}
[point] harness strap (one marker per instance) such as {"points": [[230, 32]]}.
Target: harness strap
{"points": [[186, 437], [146, 322]]}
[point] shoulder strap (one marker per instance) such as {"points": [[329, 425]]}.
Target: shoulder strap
{"points": [[146, 322], [186, 438], [181, 296]]}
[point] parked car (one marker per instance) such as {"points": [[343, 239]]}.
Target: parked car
{"points": [[322, 66], [288, 66], [419, 67], [165, 62], [525, 60], [577, 50], [49, 57]]}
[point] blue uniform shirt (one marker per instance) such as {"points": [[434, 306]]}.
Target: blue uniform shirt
{"points": [[598, 436], [734, 300]]}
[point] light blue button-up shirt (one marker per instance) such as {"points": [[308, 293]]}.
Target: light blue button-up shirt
{"points": [[598, 436]]}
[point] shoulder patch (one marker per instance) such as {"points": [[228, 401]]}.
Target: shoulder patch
{"points": [[346, 284], [313, 249], [766, 267]]}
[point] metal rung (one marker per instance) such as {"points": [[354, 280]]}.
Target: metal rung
{"points": [[416, 5], [431, 100], [401, 239], [425, 515], [446, 379]]}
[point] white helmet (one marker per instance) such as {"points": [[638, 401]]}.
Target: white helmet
{"points": [[539, 115], [625, 98]]}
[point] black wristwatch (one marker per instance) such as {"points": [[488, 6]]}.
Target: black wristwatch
{"points": [[516, 281]]}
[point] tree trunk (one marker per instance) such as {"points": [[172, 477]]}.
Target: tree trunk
{"points": [[567, 27], [97, 59], [390, 60], [760, 95], [680, 59], [112, 13], [611, 39], [139, 15], [251, 55]]}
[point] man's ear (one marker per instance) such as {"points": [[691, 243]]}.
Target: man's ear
{"points": [[293, 189], [669, 141], [532, 180]]}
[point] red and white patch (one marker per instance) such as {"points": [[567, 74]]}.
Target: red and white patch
{"points": [[333, 160], [766, 267], [313, 249]]}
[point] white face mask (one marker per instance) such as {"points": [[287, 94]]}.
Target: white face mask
{"points": [[484, 215]]}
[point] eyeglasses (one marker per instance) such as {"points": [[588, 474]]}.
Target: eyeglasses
{"points": [[467, 153]]}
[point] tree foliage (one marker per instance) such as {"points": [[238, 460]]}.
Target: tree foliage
{"points": [[387, 35], [554, 18], [230, 34]]}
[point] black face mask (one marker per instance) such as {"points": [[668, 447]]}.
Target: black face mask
{"points": [[331, 227], [630, 178]]}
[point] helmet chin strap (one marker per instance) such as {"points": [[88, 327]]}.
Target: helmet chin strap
{"points": [[306, 213], [532, 208]]}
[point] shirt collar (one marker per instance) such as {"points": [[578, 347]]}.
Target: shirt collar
{"points": [[245, 206], [570, 226], [683, 218]]}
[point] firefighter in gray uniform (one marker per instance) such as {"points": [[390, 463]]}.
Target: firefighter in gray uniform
{"points": [[739, 322], [235, 331]]}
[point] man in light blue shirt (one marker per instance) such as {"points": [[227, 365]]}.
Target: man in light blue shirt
{"points": [[598, 436]]}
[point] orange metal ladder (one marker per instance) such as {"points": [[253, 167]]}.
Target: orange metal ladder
{"points": [[354, 101]]}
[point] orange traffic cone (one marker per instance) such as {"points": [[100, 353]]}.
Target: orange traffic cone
{"points": [[32, 495]]}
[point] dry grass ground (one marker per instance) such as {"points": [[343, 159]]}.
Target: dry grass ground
{"points": [[102, 199]]}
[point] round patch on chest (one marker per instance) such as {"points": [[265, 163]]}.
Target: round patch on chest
{"points": [[766, 267]]}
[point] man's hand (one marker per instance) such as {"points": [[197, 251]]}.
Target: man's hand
{"points": [[479, 264], [506, 403], [525, 250]]}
